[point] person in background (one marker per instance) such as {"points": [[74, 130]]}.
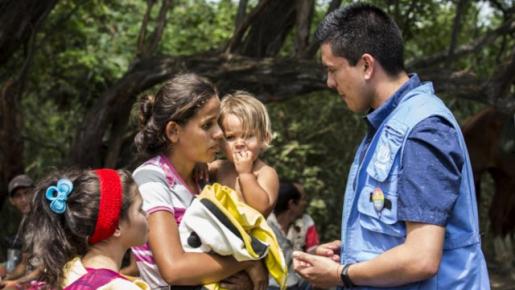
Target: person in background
{"points": [[294, 229], [21, 191]]}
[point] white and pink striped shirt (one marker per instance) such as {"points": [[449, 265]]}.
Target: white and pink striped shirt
{"points": [[162, 188]]}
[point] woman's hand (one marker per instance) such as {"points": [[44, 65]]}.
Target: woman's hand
{"points": [[330, 250], [258, 275], [238, 281]]}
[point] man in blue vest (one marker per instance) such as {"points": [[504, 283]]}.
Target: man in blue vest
{"points": [[410, 216]]}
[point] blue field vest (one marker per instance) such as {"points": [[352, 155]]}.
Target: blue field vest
{"points": [[367, 232]]}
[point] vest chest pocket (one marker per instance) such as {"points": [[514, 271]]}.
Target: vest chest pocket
{"points": [[388, 146], [378, 212]]}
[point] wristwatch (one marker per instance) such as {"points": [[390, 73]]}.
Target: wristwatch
{"points": [[344, 275]]}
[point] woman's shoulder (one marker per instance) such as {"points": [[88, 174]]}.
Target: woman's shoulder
{"points": [[148, 171], [128, 283]]}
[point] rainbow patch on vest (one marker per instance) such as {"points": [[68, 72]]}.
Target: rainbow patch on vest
{"points": [[378, 199]]}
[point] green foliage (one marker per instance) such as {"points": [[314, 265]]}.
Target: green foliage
{"points": [[50, 135], [198, 26], [84, 48]]}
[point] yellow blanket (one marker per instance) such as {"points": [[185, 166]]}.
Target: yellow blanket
{"points": [[218, 221]]}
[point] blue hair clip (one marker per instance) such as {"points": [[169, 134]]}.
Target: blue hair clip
{"points": [[58, 195]]}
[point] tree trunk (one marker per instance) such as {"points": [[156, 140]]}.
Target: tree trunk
{"points": [[11, 147], [456, 27], [19, 20], [241, 14], [304, 16], [268, 32]]}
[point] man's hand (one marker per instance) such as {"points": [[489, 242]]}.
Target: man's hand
{"points": [[330, 250], [238, 281], [320, 271], [259, 275]]}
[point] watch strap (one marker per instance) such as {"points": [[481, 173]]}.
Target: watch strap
{"points": [[344, 275]]}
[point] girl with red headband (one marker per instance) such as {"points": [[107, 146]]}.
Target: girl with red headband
{"points": [[81, 225], [179, 130]]}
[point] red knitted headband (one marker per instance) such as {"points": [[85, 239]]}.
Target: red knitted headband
{"points": [[110, 205]]}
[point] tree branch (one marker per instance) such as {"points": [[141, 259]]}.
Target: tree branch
{"points": [[240, 15], [500, 83], [140, 44], [335, 4], [271, 79], [475, 45], [304, 16], [118, 122], [313, 47], [160, 26], [240, 31], [499, 5], [456, 27], [408, 21], [19, 18]]}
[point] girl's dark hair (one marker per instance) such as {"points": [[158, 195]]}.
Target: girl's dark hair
{"points": [[287, 191], [179, 99], [53, 239]]}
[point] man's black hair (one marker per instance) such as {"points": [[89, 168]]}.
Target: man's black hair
{"points": [[287, 191], [363, 28]]}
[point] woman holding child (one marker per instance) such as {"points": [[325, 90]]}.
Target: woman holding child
{"points": [[179, 129]]}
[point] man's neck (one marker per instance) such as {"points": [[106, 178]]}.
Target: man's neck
{"points": [[386, 86]]}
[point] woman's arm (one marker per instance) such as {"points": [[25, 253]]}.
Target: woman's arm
{"points": [[183, 268], [20, 268]]}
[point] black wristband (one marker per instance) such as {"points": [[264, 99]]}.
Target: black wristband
{"points": [[344, 275]]}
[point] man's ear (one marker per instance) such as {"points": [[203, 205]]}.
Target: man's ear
{"points": [[172, 131], [368, 63], [291, 203]]}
